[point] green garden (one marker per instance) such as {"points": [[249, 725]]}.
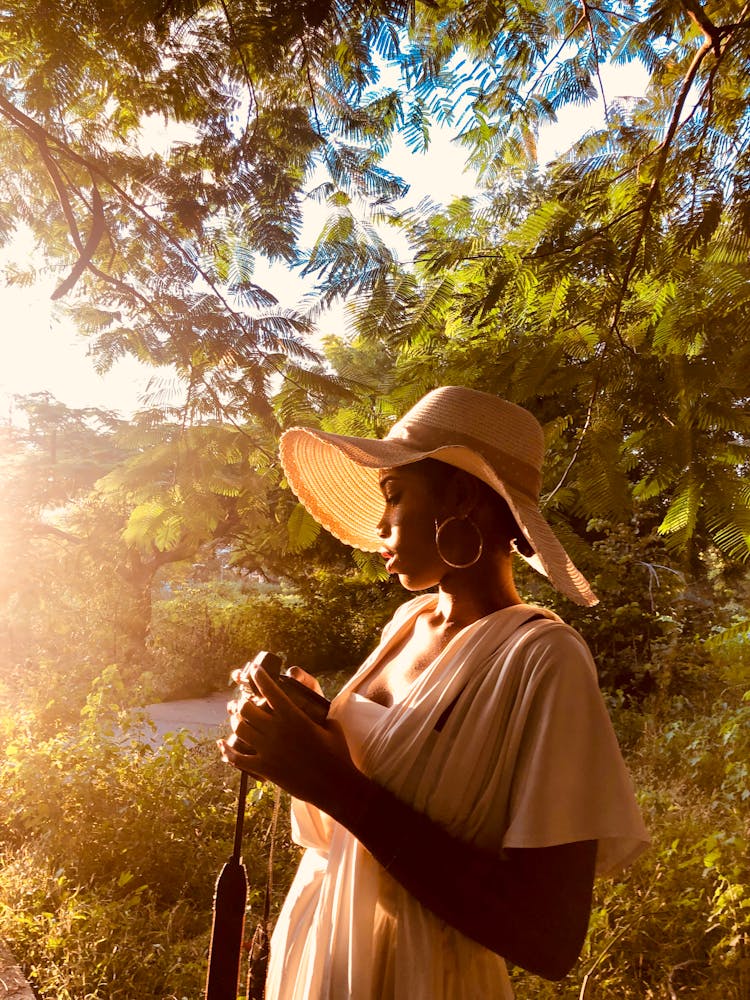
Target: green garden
{"points": [[142, 557]]}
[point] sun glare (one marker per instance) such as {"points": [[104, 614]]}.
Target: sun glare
{"points": [[44, 353]]}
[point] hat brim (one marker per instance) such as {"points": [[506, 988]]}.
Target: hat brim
{"points": [[336, 478]]}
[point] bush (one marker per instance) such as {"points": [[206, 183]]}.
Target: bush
{"points": [[204, 631], [95, 942], [110, 851]]}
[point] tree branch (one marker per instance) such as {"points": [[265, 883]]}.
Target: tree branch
{"points": [[37, 132], [62, 193], [554, 57], [584, 431], [245, 69], [40, 528], [587, 15], [653, 191], [311, 88], [710, 31], [98, 228]]}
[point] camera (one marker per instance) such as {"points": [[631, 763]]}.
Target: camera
{"points": [[314, 705]]}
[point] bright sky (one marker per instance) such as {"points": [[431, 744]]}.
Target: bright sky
{"points": [[42, 352]]}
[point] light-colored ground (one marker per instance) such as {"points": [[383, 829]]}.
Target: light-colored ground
{"points": [[201, 717]]}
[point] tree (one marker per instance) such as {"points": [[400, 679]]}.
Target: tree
{"points": [[577, 275], [608, 292], [186, 487], [52, 456], [160, 247], [49, 460]]}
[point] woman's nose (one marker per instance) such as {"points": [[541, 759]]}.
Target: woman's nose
{"points": [[383, 527]]}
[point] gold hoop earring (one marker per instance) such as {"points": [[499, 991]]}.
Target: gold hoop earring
{"points": [[480, 539]]}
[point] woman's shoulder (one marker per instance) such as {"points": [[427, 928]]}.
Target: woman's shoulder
{"points": [[548, 643]]}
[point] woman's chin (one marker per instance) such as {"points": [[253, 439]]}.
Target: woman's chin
{"points": [[414, 583]]}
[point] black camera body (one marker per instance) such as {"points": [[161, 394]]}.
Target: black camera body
{"points": [[310, 702]]}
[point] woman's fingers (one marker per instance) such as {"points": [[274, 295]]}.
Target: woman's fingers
{"points": [[241, 728], [304, 678], [272, 693], [257, 723], [242, 761], [307, 759]]}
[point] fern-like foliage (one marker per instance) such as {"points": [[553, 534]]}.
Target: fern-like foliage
{"points": [[608, 291]]}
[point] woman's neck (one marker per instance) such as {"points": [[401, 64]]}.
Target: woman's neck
{"points": [[467, 595]]}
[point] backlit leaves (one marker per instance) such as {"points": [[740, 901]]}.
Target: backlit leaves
{"points": [[608, 290]]}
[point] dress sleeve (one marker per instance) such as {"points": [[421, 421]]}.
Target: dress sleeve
{"points": [[570, 781]]}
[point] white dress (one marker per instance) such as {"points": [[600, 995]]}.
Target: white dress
{"points": [[526, 758]]}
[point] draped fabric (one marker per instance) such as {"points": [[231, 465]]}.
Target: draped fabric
{"points": [[526, 758]]}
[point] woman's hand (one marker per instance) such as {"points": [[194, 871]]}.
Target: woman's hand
{"points": [[304, 678], [531, 905], [310, 761]]}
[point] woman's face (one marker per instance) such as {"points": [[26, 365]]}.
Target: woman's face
{"points": [[407, 527]]}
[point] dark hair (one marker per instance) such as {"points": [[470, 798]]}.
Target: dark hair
{"points": [[502, 518]]}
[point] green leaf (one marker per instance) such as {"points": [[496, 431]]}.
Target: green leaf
{"points": [[302, 530]]}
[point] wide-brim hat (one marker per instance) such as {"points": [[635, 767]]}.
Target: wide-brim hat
{"points": [[336, 476]]}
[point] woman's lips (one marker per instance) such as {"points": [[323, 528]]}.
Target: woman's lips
{"points": [[388, 557]]}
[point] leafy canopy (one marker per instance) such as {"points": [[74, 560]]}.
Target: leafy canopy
{"points": [[607, 291]]}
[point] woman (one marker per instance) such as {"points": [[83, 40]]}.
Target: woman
{"points": [[467, 785]]}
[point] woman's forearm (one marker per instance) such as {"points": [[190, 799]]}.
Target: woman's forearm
{"points": [[530, 906]]}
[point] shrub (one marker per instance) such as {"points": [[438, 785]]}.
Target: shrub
{"points": [[203, 631], [110, 852], [110, 848]]}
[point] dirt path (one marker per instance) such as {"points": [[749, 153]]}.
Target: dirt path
{"points": [[201, 717]]}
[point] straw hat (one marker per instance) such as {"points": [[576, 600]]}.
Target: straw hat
{"points": [[336, 477]]}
